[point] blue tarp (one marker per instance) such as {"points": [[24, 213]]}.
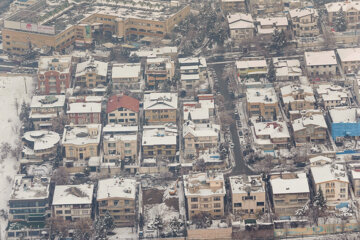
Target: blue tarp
{"points": [[342, 205]]}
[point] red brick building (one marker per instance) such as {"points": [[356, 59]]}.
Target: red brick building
{"points": [[84, 112]]}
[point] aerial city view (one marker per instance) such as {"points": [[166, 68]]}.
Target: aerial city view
{"points": [[179, 119]]}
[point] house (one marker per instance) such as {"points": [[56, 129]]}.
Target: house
{"points": [[123, 109], [333, 180], [290, 192], [344, 122], [296, 114], [43, 109], [262, 102], [84, 112], [126, 76], [312, 128], [29, 207], [271, 135], [233, 5], [332, 95], [160, 108], [201, 111], [159, 71], [204, 193], [321, 63], [259, 7], [355, 177], [252, 67], [118, 197], [319, 161], [54, 74], [297, 97], [146, 52], [287, 69], [73, 202], [248, 194], [349, 59], [193, 65], [351, 11], [241, 25], [91, 73], [267, 25], [304, 22]]}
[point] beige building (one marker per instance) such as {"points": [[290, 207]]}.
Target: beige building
{"points": [[252, 67], [123, 109], [297, 97], [158, 71], [319, 161], [262, 102], [304, 22], [267, 25], [126, 76], [331, 96], [233, 5], [73, 202], [205, 192], [160, 108], [118, 197], [290, 192], [248, 195], [311, 128], [321, 63], [349, 59], [271, 135], [259, 7], [351, 11], [241, 25], [91, 73]]}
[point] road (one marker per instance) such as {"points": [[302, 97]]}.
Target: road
{"points": [[240, 167]]}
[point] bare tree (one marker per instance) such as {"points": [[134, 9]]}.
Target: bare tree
{"points": [[58, 227], [61, 176], [59, 123]]}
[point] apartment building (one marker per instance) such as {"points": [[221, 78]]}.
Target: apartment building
{"points": [[150, 52], [271, 135], [204, 192], [118, 197], [351, 10], [259, 7], [43, 109], [330, 95], [159, 71], [321, 63], [319, 161], [73, 202], [241, 25], [126, 76], [311, 128], [252, 67], [355, 178], [290, 192], [201, 111], [262, 102], [349, 59], [160, 108], [54, 74], [84, 112], [233, 5], [267, 25], [333, 180], [248, 195], [123, 109], [297, 97], [287, 69], [193, 66], [91, 73], [304, 22]]}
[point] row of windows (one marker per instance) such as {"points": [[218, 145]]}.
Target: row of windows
{"points": [[195, 199]]}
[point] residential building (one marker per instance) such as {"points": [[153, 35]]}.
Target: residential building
{"points": [[160, 108], [349, 59], [351, 11], [332, 179], [201, 111], [193, 65], [319, 161], [233, 5], [331, 96], [297, 97], [321, 63], [296, 114], [84, 112], [304, 22], [355, 178], [159, 71], [267, 25], [118, 197], [43, 109], [164, 51], [126, 76], [252, 67], [259, 7], [248, 194], [262, 102], [241, 25], [123, 109], [54, 74], [73, 202], [271, 136], [91, 73], [290, 192], [345, 122], [287, 69], [312, 128], [204, 193]]}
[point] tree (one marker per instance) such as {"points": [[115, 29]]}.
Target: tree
{"points": [[109, 222], [278, 41], [58, 227], [61, 176], [25, 117], [83, 229], [109, 89], [99, 228], [202, 220], [158, 224], [340, 21], [318, 206], [271, 75], [59, 123], [175, 226], [141, 221]]}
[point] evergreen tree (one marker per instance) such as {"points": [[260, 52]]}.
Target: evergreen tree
{"points": [[318, 206], [25, 117], [271, 75], [109, 89], [100, 229], [340, 21], [109, 222], [278, 41]]}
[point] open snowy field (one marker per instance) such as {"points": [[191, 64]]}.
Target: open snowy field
{"points": [[13, 88]]}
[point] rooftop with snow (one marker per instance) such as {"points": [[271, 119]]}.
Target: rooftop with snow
{"points": [[244, 184], [290, 185], [329, 172], [82, 134], [30, 188], [204, 184], [73, 194], [116, 188]]}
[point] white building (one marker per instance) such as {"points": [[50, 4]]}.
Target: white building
{"points": [[349, 59], [332, 95], [241, 26], [126, 76], [287, 69], [271, 135], [267, 25], [321, 63]]}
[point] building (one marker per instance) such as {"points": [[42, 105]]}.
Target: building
{"points": [[199, 112], [355, 178], [297, 97], [248, 194], [233, 5], [73, 202], [259, 7], [267, 25], [349, 59], [123, 109], [160, 108], [147, 52], [290, 192], [43, 109], [54, 74], [252, 67], [29, 207], [312, 128], [287, 69], [262, 102], [319, 161], [332, 179], [345, 123], [304, 22], [241, 25], [204, 193], [351, 11], [159, 71], [120, 143], [91, 73], [321, 63], [126, 76], [331, 96], [84, 112], [118, 197], [271, 136], [193, 66]]}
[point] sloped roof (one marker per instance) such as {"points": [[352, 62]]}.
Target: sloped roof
{"points": [[124, 101]]}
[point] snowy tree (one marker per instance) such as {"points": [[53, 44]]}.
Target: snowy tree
{"points": [[202, 220], [99, 229], [109, 222], [340, 21], [61, 176], [318, 206], [25, 117], [158, 224], [278, 41], [59, 123], [175, 226], [271, 75], [83, 229], [304, 211]]}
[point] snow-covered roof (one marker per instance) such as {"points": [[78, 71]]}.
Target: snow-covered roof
{"points": [[93, 66], [349, 54], [47, 101], [28, 188], [204, 184], [296, 89], [73, 194], [82, 134], [159, 135], [199, 61], [245, 64], [116, 188], [345, 5], [272, 129], [196, 113], [330, 92], [261, 95], [241, 184], [329, 172], [302, 12], [192, 77], [270, 21], [320, 158], [118, 128], [126, 70], [146, 52], [201, 130], [320, 58], [42, 139], [59, 63], [355, 173], [317, 120], [344, 115], [240, 20], [290, 186], [158, 101], [84, 107], [287, 67]]}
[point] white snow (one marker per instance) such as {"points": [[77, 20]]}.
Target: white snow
{"points": [[126, 233]]}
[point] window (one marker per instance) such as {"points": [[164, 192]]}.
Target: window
{"points": [[217, 210], [127, 210], [237, 204], [205, 199], [127, 202], [193, 206], [217, 205], [194, 199], [67, 211], [127, 144], [59, 212], [116, 202], [260, 204]]}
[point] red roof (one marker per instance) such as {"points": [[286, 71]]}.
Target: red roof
{"points": [[118, 101]]}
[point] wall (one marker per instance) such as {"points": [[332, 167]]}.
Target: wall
{"points": [[216, 233]]}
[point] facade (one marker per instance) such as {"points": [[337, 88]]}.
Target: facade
{"points": [[54, 74], [91, 73], [331, 96], [259, 7], [118, 197], [233, 5], [126, 75], [160, 108], [290, 192], [271, 135], [262, 102], [312, 128], [321, 63], [242, 26], [43, 109], [158, 71], [204, 192], [351, 10], [84, 112], [73, 202], [297, 97], [355, 178], [248, 194], [349, 59], [123, 110], [344, 123], [252, 67], [304, 22]]}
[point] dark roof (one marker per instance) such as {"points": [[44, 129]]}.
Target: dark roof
{"points": [[118, 101]]}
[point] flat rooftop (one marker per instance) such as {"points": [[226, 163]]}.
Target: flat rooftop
{"points": [[26, 188]]}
